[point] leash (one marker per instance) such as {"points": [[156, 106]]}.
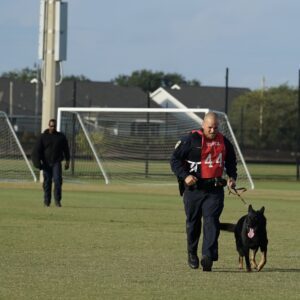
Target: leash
{"points": [[235, 191]]}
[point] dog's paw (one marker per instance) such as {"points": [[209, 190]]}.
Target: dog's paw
{"points": [[259, 268]]}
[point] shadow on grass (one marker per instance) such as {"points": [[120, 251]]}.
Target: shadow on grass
{"points": [[282, 270], [121, 208], [265, 270]]}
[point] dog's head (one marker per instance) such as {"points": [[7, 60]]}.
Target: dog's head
{"points": [[255, 219]]}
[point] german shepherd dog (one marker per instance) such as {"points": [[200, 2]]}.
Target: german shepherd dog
{"points": [[250, 233]]}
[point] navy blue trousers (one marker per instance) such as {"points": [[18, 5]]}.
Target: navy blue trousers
{"points": [[52, 174], [206, 205]]}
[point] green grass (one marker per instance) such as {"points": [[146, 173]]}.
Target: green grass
{"points": [[128, 242], [272, 171]]}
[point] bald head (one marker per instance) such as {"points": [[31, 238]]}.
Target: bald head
{"points": [[210, 125]]}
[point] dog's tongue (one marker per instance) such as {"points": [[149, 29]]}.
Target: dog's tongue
{"points": [[251, 233]]}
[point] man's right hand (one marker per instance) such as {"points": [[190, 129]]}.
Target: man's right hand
{"points": [[67, 165], [231, 183], [190, 180]]}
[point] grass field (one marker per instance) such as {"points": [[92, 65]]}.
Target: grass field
{"points": [[128, 242], [272, 171]]}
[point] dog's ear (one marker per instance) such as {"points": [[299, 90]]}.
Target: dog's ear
{"points": [[262, 210], [250, 208]]}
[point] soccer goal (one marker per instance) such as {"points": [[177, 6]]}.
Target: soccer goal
{"points": [[133, 145], [14, 164]]}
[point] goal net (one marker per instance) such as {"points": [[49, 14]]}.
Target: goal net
{"points": [[14, 164], [133, 145]]}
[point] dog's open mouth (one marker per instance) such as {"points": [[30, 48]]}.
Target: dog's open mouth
{"points": [[250, 233]]}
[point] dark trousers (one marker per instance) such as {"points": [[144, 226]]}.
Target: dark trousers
{"points": [[208, 205], [52, 173]]}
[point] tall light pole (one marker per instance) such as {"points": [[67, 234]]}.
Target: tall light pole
{"points": [[298, 132], [36, 109], [49, 64], [11, 98], [36, 82], [52, 50], [226, 91]]}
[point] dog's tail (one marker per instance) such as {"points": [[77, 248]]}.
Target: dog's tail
{"points": [[227, 227]]}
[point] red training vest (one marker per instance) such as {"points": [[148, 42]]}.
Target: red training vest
{"points": [[212, 156]]}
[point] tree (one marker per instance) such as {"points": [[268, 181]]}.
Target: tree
{"points": [[266, 119], [27, 74], [76, 78], [149, 81]]}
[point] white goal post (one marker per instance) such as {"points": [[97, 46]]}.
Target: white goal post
{"points": [[14, 164], [133, 145]]}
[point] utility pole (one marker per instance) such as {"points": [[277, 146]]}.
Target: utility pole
{"points": [[11, 98], [52, 50], [298, 133], [226, 91], [49, 66], [36, 82]]}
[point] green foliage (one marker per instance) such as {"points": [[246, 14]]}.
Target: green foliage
{"points": [[82, 143], [150, 81], [76, 78], [266, 119], [25, 74], [28, 74]]}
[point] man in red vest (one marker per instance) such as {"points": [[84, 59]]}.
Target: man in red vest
{"points": [[199, 161]]}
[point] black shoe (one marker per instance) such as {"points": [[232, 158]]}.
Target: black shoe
{"points": [[206, 263], [58, 204], [46, 204], [193, 261]]}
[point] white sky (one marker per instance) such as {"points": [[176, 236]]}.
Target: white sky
{"points": [[195, 38]]}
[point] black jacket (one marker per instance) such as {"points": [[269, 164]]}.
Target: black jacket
{"points": [[188, 148], [50, 148]]}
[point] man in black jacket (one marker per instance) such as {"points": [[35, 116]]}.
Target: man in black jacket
{"points": [[199, 161], [50, 150]]}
